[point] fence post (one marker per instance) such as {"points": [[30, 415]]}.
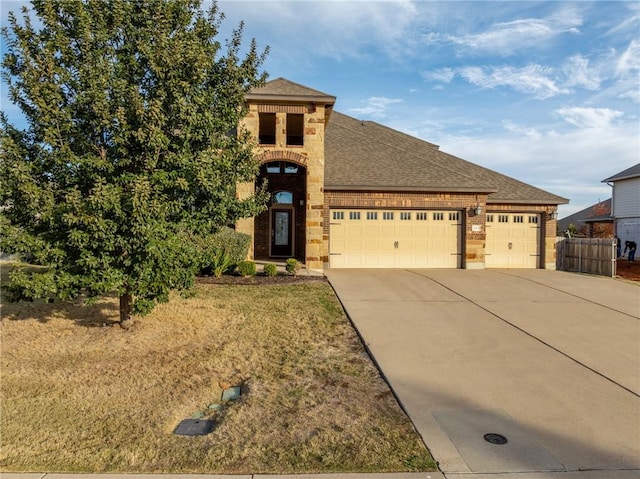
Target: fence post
{"points": [[614, 262], [580, 255]]}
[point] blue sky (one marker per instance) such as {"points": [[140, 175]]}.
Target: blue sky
{"points": [[546, 92]]}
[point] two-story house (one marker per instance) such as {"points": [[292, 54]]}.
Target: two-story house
{"points": [[625, 199], [348, 193]]}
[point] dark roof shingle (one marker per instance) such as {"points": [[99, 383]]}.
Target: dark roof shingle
{"points": [[281, 88], [364, 155], [629, 173]]}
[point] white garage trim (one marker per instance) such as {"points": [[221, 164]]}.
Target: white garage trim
{"points": [[395, 238], [513, 240]]}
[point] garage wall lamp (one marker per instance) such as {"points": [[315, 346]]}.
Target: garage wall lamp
{"points": [[552, 214], [475, 210]]}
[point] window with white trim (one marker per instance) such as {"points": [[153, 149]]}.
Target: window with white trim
{"points": [[405, 215], [372, 215], [422, 216], [354, 215], [533, 219], [338, 215], [503, 218], [387, 215], [438, 216], [454, 216]]}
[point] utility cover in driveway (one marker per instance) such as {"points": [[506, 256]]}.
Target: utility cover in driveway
{"points": [[467, 428]]}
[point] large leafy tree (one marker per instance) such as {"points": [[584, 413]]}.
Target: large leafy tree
{"points": [[132, 145]]}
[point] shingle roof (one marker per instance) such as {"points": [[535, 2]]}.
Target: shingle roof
{"points": [[600, 212], [632, 172], [364, 155], [281, 88]]}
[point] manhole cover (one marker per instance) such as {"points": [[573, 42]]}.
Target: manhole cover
{"points": [[194, 427], [494, 438]]}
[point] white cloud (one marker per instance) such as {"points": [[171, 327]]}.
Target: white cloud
{"points": [[338, 30], [579, 73], [508, 37], [376, 107], [629, 60], [629, 22], [444, 75], [531, 79], [633, 95], [589, 118], [526, 131]]}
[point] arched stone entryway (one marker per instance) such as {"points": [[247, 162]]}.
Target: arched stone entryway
{"points": [[280, 232]]}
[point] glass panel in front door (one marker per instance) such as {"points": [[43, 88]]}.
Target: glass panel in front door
{"points": [[282, 228], [281, 233]]}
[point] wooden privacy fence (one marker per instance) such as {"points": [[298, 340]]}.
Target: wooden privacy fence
{"points": [[586, 255]]}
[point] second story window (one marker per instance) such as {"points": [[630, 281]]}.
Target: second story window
{"points": [[267, 128], [295, 129]]}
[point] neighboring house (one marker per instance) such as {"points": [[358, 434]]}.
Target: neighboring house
{"points": [[348, 193], [626, 203], [593, 222]]}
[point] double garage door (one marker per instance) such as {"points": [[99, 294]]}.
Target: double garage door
{"points": [[395, 239]]}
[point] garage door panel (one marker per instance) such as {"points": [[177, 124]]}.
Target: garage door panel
{"points": [[511, 242], [398, 239], [421, 261], [353, 245]]}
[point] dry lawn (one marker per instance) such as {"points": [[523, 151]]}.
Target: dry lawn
{"points": [[79, 395]]}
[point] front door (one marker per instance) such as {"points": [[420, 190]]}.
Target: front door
{"points": [[281, 237]]}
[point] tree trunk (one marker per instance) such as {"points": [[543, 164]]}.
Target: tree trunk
{"points": [[126, 301]]}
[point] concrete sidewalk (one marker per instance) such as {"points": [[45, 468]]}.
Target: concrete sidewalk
{"points": [[550, 360]]}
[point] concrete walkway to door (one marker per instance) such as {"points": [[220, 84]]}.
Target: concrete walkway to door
{"points": [[549, 360]]}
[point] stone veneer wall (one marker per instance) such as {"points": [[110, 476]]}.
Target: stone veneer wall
{"points": [[310, 155]]}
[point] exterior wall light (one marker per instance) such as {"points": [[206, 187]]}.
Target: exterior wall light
{"points": [[475, 210]]}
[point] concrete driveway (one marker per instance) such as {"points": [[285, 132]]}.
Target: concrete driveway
{"points": [[549, 360]]}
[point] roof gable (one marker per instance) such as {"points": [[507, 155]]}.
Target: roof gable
{"points": [[282, 89]]}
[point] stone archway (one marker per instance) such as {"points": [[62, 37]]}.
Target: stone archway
{"points": [[283, 155], [280, 232]]}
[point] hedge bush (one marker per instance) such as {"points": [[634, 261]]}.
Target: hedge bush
{"points": [[292, 266], [247, 268], [270, 270], [219, 252]]}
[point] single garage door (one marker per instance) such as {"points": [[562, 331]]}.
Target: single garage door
{"points": [[513, 240], [395, 239]]}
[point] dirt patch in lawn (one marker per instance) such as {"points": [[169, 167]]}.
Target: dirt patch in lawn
{"points": [[79, 396], [629, 270]]}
